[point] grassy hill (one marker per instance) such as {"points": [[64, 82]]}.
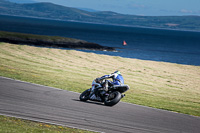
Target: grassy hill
{"points": [[160, 85], [53, 11]]}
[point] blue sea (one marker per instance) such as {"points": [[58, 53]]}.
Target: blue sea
{"points": [[182, 47]]}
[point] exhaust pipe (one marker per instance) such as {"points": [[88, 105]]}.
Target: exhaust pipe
{"points": [[123, 95]]}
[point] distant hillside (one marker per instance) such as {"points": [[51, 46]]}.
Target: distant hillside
{"points": [[88, 9], [53, 11], [22, 1]]}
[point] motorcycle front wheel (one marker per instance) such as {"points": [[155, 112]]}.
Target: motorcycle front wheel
{"points": [[113, 99], [85, 95]]}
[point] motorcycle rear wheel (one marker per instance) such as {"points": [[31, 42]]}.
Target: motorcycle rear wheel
{"points": [[85, 95], [110, 101]]}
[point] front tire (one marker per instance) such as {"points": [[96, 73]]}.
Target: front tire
{"points": [[85, 95], [113, 99]]}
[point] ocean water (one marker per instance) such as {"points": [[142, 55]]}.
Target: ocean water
{"points": [[182, 47]]}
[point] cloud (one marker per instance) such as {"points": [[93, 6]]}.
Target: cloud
{"points": [[186, 11], [138, 6]]}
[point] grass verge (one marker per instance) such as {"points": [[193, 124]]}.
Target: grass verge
{"points": [[15, 125], [160, 85]]}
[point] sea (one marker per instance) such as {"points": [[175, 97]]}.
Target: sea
{"points": [[163, 45]]}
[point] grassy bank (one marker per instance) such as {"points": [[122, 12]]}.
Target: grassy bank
{"points": [[15, 125], [161, 85]]}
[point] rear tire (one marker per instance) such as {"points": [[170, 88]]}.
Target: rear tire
{"points": [[85, 95], [113, 101]]}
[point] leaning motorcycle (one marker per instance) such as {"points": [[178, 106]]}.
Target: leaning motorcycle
{"points": [[112, 96]]}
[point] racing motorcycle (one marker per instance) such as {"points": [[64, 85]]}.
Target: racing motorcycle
{"points": [[111, 97]]}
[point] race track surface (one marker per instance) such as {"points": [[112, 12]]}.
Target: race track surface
{"points": [[51, 105]]}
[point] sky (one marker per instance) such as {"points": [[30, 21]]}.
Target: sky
{"points": [[136, 7]]}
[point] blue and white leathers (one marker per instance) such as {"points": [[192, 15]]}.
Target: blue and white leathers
{"points": [[117, 78]]}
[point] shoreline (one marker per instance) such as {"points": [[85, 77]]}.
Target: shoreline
{"points": [[50, 41]]}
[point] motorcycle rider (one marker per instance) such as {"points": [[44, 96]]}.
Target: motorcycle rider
{"points": [[117, 80]]}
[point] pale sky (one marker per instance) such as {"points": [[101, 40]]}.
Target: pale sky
{"points": [[136, 7]]}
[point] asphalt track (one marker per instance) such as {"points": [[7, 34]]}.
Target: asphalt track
{"points": [[56, 106]]}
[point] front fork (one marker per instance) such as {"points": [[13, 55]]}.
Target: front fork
{"points": [[91, 91]]}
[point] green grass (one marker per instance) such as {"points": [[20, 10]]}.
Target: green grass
{"points": [[28, 37], [160, 85], [15, 125]]}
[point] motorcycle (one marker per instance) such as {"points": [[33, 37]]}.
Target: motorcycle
{"points": [[110, 98]]}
